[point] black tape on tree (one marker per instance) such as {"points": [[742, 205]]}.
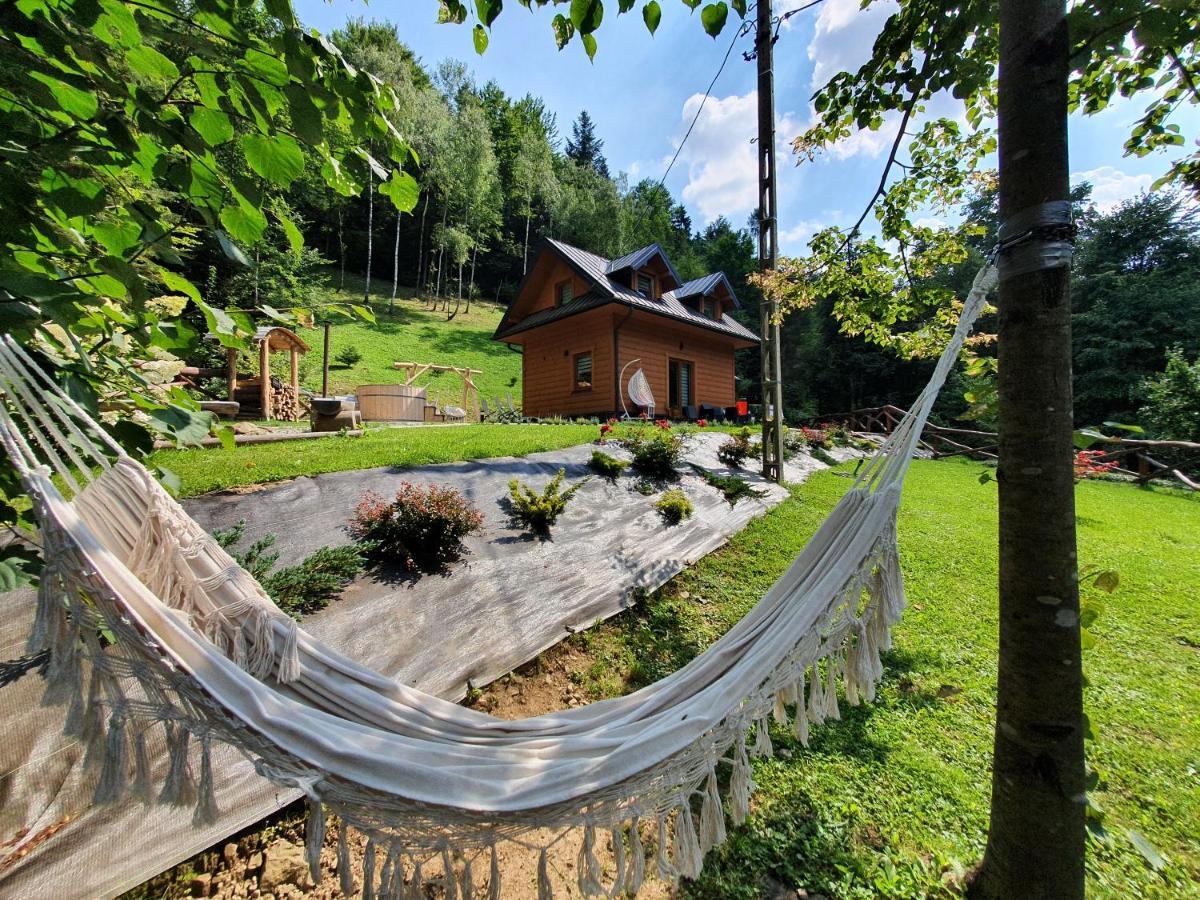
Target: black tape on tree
{"points": [[1040, 237]]}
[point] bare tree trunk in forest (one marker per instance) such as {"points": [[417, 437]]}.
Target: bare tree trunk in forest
{"points": [[341, 252], [471, 288], [256, 276], [441, 255], [1036, 835], [395, 266], [525, 256], [421, 264], [370, 232]]}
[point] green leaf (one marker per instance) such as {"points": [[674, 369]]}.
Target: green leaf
{"points": [[479, 35], [586, 15], [187, 427], [212, 125], [282, 10], [18, 566], [180, 285], [589, 45], [277, 158], [224, 434], [294, 238], [739, 7], [403, 190], [144, 60], [1153, 858], [563, 30], [74, 102], [713, 17], [488, 10], [171, 482], [1086, 437], [1107, 581], [652, 15], [1132, 429], [244, 223]]}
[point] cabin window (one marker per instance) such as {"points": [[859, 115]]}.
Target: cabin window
{"points": [[583, 371], [564, 292], [645, 284], [710, 308]]}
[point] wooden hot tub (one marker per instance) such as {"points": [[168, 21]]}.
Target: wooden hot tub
{"points": [[391, 403]]}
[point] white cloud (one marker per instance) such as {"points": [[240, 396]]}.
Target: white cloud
{"points": [[844, 36], [721, 160], [1110, 185], [794, 241]]}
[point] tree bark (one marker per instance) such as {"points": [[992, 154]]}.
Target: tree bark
{"points": [[1036, 834], [370, 232], [341, 252], [525, 255], [471, 288], [421, 263], [395, 266]]}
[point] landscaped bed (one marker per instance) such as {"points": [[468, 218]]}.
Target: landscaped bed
{"points": [[892, 800]]}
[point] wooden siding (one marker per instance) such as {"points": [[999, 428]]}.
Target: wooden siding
{"points": [[657, 341], [549, 271], [547, 366]]}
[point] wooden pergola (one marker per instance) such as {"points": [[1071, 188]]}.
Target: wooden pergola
{"points": [[470, 402], [269, 339]]}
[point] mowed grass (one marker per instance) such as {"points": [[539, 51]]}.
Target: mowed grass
{"points": [[892, 800], [214, 469], [409, 331]]}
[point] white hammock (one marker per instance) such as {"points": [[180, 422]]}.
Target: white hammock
{"points": [[191, 643]]}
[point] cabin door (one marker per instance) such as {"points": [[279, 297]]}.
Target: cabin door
{"points": [[680, 388]]}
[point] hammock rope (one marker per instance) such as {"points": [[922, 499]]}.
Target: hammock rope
{"points": [[150, 624]]}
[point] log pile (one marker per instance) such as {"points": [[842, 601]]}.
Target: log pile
{"points": [[286, 403]]}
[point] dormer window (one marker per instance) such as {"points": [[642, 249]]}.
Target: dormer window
{"points": [[563, 292], [710, 308], [645, 284]]}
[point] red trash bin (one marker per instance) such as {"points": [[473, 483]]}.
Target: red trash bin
{"points": [[743, 407]]}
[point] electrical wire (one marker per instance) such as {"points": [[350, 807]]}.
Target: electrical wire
{"points": [[742, 31]]}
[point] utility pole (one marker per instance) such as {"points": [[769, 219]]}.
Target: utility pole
{"points": [[1036, 835], [768, 247]]}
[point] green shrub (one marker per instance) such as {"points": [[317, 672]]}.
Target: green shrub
{"points": [[674, 506], [301, 589], [645, 488], [730, 486], [607, 466], [1172, 409], [655, 455], [538, 512], [735, 450], [421, 529], [348, 356]]}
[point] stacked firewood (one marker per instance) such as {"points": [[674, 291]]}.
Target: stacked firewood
{"points": [[286, 403]]}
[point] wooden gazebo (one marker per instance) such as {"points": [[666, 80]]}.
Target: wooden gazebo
{"points": [[257, 391]]}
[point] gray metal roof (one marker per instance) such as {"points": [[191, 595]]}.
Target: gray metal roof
{"points": [[606, 289], [639, 258], [579, 304]]}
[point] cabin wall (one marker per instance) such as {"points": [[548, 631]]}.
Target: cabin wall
{"points": [[538, 292], [656, 341], [547, 366]]}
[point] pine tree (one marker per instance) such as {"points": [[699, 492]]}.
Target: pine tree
{"points": [[584, 147]]}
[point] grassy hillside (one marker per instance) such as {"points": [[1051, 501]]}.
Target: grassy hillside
{"points": [[411, 332]]}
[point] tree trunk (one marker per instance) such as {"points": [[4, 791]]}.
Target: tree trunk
{"points": [[370, 232], [256, 270], [1036, 834], [421, 264], [471, 289], [441, 256], [395, 267], [525, 256], [341, 252]]}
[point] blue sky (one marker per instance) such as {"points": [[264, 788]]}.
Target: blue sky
{"points": [[642, 92]]}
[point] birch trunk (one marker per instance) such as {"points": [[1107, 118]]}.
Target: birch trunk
{"points": [[370, 232], [341, 252], [395, 267], [422, 266]]}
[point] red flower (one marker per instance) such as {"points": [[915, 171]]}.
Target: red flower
{"points": [[703, 423], [1089, 463], [663, 424], [605, 429]]}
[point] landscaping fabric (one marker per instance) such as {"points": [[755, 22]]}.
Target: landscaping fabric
{"points": [[512, 597]]}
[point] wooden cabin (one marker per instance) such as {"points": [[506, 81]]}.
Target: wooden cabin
{"points": [[580, 319]]}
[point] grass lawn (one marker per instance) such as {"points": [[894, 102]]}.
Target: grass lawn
{"points": [[411, 332], [201, 471], [892, 800]]}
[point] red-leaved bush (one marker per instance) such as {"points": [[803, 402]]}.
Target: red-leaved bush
{"points": [[421, 529]]}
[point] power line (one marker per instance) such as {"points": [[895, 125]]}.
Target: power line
{"points": [[742, 31]]}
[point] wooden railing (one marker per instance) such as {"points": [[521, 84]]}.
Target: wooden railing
{"points": [[1132, 455]]}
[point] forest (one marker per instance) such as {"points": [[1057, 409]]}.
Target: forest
{"points": [[497, 173]]}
